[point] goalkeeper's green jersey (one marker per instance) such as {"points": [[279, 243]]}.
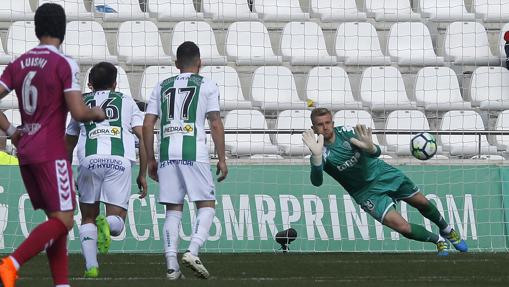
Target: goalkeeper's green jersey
{"points": [[355, 169]]}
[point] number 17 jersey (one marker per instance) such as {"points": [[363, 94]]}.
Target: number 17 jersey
{"points": [[182, 103]]}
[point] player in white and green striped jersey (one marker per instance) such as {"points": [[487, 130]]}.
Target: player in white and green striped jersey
{"points": [[182, 103], [106, 151]]}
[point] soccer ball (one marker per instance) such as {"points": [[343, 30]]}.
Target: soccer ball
{"points": [[423, 146]]}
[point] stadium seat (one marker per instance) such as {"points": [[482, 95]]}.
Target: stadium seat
{"points": [[404, 120], [464, 145], [15, 10], [502, 141], [122, 82], [336, 11], [152, 76], [303, 43], [247, 144], [171, 10], [437, 89], [329, 87], [4, 58], [445, 10], [273, 89], [410, 44], [85, 41], [489, 88], [291, 144], [139, 43], [74, 9], [382, 89], [467, 43], [202, 34], [208, 141], [491, 10], [10, 101], [228, 10], [125, 10], [357, 44], [391, 10], [21, 38], [280, 10], [501, 42], [227, 79], [14, 116], [354, 117], [248, 43]]}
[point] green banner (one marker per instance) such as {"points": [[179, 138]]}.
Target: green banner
{"points": [[257, 201]]}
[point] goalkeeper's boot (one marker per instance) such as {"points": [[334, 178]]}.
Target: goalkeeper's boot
{"points": [[456, 241], [92, 272], [442, 247], [172, 274], [103, 234], [195, 264], [8, 272]]}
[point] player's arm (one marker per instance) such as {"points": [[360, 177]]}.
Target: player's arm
{"points": [[142, 174], [217, 133], [364, 141], [148, 141], [316, 148], [5, 125], [81, 112], [71, 137]]}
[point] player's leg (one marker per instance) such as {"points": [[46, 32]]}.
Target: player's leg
{"points": [[88, 238], [57, 252]]}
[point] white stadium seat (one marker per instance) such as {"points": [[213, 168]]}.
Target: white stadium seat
{"points": [[153, 75], [467, 43], [303, 43], [329, 87], [391, 10], [248, 43], [15, 10], [139, 43], [122, 82], [502, 141], [228, 10], [501, 42], [410, 44], [382, 89], [291, 144], [404, 120], [14, 116], [336, 11], [4, 58], [74, 9], [273, 88], [247, 144], [445, 10], [354, 117], [200, 33], [230, 91], [21, 38], [437, 89], [357, 44], [171, 10], [489, 88], [125, 10], [10, 101], [464, 144], [280, 10], [85, 41], [492, 10]]}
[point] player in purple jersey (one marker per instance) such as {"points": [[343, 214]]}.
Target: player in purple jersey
{"points": [[46, 83]]}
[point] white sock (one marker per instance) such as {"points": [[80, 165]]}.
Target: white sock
{"points": [[171, 238], [15, 262], [447, 230], [116, 224], [63, 285], [88, 239], [201, 229]]}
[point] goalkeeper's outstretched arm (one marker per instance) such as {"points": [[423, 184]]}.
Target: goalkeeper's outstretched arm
{"points": [[316, 175], [316, 148]]}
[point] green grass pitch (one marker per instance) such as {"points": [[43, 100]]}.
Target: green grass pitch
{"points": [[291, 269]]}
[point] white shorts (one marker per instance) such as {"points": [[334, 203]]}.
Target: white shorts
{"points": [[106, 179], [180, 177]]}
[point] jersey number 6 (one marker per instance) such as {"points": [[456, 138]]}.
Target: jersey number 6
{"points": [[110, 110]]}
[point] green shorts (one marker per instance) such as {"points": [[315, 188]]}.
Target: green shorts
{"points": [[384, 193]]}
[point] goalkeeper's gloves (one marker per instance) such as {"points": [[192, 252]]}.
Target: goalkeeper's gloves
{"points": [[315, 146]]}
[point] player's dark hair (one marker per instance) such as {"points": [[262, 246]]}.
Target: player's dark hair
{"points": [[50, 21], [188, 54], [102, 76], [318, 112]]}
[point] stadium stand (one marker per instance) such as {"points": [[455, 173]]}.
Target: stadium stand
{"points": [[445, 10], [280, 10], [502, 141], [228, 10], [169, 10], [4, 58], [404, 120], [391, 10], [74, 9], [123, 10], [21, 38], [336, 11], [291, 144], [153, 75], [15, 10], [491, 10], [230, 89], [10, 101], [122, 82], [489, 88]]}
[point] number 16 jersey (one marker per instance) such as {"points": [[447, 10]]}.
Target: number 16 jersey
{"points": [[182, 103]]}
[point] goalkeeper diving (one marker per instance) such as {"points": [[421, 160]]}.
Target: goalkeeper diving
{"points": [[350, 157]]}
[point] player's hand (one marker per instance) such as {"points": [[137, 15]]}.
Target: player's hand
{"points": [[152, 169], [142, 185], [315, 145], [99, 114], [16, 136], [223, 169], [364, 139]]}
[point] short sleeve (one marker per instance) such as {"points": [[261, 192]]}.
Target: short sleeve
{"points": [[136, 114], [6, 78], [154, 101], [73, 128], [69, 74], [212, 97]]}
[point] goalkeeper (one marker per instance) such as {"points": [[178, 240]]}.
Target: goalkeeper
{"points": [[351, 158]]}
